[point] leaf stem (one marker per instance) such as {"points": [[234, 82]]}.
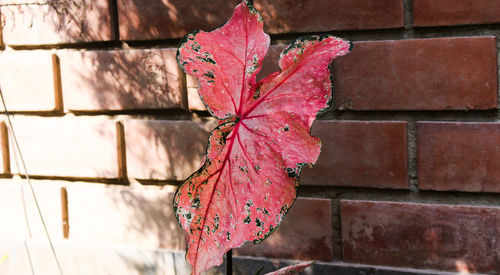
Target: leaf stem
{"points": [[229, 262]]}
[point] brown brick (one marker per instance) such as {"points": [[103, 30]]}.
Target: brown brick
{"points": [[459, 156], [418, 74], [174, 18], [140, 217], [424, 236], [455, 12], [19, 212], [67, 147], [27, 81], [284, 16], [305, 234], [269, 65], [121, 80], [152, 19], [360, 153], [165, 150], [61, 22]]}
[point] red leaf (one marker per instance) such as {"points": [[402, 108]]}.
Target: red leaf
{"points": [[248, 181], [226, 61], [290, 270]]}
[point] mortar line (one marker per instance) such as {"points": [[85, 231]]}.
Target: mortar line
{"points": [[408, 18], [412, 144]]}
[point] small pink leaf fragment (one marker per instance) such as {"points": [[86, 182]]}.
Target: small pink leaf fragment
{"points": [[291, 270], [254, 157]]}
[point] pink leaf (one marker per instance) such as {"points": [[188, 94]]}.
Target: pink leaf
{"points": [[226, 61], [290, 270], [249, 179]]}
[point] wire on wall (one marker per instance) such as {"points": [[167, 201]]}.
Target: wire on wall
{"points": [[28, 180]]}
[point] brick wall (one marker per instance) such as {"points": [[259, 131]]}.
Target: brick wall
{"points": [[408, 180]]}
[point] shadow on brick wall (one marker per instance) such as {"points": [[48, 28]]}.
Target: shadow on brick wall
{"points": [[165, 150], [153, 19], [38, 22], [121, 80]]}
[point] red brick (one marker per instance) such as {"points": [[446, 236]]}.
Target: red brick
{"points": [[139, 217], [128, 79], [67, 147], [174, 18], [424, 236], [305, 234], [418, 74], [27, 81], [62, 22], [459, 156], [360, 153], [284, 16], [152, 19], [455, 12], [270, 64], [165, 150]]}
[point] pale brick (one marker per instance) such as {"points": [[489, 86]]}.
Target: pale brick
{"points": [[194, 100], [27, 81], [67, 147], [133, 217], [121, 80], [19, 214], [86, 259], [61, 22], [165, 150]]}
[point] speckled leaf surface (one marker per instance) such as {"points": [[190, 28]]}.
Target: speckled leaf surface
{"points": [[254, 157]]}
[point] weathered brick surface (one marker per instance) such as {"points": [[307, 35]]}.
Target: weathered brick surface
{"points": [[61, 22], [284, 16], [244, 265], [152, 19], [459, 156], [305, 234], [69, 78], [455, 12], [133, 217], [67, 147], [270, 64], [121, 80], [418, 74], [165, 150], [19, 213], [360, 153], [426, 236], [27, 81], [142, 20]]}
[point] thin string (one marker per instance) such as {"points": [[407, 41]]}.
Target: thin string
{"points": [[29, 258], [26, 219], [28, 180]]}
